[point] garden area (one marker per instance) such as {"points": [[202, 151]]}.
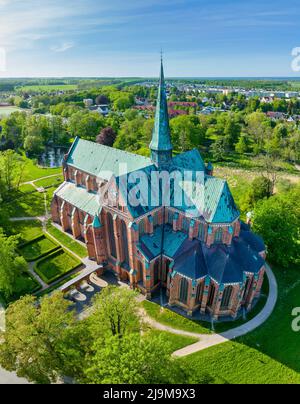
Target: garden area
{"points": [[37, 248], [55, 265], [67, 241], [45, 254]]}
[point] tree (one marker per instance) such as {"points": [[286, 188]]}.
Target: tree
{"points": [[33, 145], [219, 149], [232, 131], [261, 187], [102, 100], [34, 338], [115, 313], [187, 132], [86, 124], [11, 265], [242, 145], [107, 137], [12, 128], [131, 135], [132, 359], [123, 102], [258, 128], [11, 170], [269, 170], [277, 220]]}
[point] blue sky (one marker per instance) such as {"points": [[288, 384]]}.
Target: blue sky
{"points": [[124, 37]]}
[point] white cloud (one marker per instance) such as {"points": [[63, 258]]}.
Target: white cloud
{"points": [[63, 47]]}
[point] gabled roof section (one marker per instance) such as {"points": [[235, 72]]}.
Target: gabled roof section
{"points": [[151, 245], [189, 260], [79, 197], [225, 210], [161, 138], [221, 263], [190, 160], [211, 200], [103, 161]]}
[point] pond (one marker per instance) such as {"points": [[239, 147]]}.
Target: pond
{"points": [[52, 157]]}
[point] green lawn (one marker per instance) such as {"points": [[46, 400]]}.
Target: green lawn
{"points": [[50, 182], [174, 341], [168, 317], [29, 229], [56, 265], [67, 241], [33, 172], [48, 88], [269, 354], [26, 188], [37, 248], [25, 205], [6, 111]]}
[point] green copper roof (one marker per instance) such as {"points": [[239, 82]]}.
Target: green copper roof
{"points": [[212, 199], [190, 160], [151, 245], [103, 161], [79, 197], [161, 139], [96, 223]]}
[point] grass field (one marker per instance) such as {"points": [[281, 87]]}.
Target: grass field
{"points": [[48, 88], [173, 341], [68, 242], [37, 248], [28, 229], [55, 265], [50, 182], [25, 205], [6, 111], [168, 317], [33, 172], [269, 354]]}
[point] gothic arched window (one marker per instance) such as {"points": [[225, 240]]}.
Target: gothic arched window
{"points": [[125, 243], [111, 235], [140, 271], [226, 297], [219, 235], [211, 295], [201, 231], [199, 294], [247, 288], [156, 272], [185, 225], [183, 293]]}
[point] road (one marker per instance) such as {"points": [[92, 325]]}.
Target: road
{"points": [[11, 378]]}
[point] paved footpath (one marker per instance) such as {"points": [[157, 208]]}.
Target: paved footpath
{"points": [[208, 340]]}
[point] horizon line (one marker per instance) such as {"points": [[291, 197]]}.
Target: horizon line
{"points": [[151, 77]]}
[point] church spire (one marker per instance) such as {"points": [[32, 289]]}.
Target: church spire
{"points": [[161, 146]]}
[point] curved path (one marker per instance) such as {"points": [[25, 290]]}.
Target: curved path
{"points": [[208, 340], [205, 340]]}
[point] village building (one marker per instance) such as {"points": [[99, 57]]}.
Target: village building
{"points": [[206, 262]]}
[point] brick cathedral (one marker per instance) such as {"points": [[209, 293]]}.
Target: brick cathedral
{"points": [[209, 262]]}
